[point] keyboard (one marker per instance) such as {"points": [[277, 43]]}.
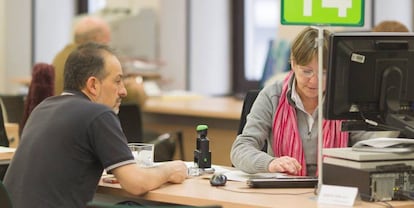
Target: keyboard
{"points": [[285, 182]]}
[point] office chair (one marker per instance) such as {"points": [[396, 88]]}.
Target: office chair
{"points": [[4, 140], [13, 106], [248, 101], [5, 201], [130, 116]]}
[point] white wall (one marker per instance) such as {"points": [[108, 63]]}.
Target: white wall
{"points": [[16, 37], [2, 42], [134, 5], [400, 10], [53, 21], [173, 43], [210, 47]]}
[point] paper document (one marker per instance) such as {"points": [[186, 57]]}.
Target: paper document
{"points": [[6, 149], [238, 175], [396, 145], [349, 154]]}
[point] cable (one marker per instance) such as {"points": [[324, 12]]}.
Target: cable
{"points": [[386, 204], [376, 200], [376, 124], [267, 193], [382, 126], [405, 194]]}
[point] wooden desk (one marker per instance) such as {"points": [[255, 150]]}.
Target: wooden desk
{"points": [[198, 192], [5, 157], [6, 154], [221, 114], [12, 130]]}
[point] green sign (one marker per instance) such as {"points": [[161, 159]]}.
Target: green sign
{"points": [[323, 12]]}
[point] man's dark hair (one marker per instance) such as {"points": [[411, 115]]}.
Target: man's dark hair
{"points": [[86, 61]]}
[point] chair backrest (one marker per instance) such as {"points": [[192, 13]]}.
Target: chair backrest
{"points": [[130, 117], [249, 99], [5, 201], [13, 106], [164, 147], [4, 140]]}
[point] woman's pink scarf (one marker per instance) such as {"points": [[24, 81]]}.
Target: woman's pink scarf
{"points": [[286, 137]]}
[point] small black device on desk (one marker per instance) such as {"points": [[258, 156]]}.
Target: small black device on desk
{"points": [[202, 154]]}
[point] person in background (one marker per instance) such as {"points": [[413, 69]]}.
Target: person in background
{"points": [[285, 115], [70, 139], [135, 89], [94, 29], [40, 88], [390, 26], [87, 29]]}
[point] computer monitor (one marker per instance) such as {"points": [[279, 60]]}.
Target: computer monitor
{"points": [[370, 80]]}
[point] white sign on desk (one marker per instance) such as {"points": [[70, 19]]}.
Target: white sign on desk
{"points": [[337, 195]]}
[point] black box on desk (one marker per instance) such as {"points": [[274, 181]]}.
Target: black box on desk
{"points": [[372, 184], [378, 176]]}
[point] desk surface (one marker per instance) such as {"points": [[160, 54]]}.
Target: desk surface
{"points": [[12, 130], [5, 157], [198, 192], [184, 113], [209, 107]]}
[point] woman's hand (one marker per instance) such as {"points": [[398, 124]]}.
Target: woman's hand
{"points": [[285, 164]]}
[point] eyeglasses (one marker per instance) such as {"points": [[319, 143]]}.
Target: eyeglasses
{"points": [[309, 73]]}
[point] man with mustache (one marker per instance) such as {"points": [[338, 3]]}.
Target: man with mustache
{"points": [[70, 139]]}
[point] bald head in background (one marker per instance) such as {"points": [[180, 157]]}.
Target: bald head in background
{"points": [[87, 29], [390, 26], [92, 29]]}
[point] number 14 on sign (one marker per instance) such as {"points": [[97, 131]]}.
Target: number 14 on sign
{"points": [[341, 5]]}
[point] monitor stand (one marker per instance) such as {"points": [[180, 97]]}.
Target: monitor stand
{"points": [[404, 122]]}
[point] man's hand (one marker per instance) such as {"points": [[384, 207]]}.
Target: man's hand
{"points": [[178, 171]]}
